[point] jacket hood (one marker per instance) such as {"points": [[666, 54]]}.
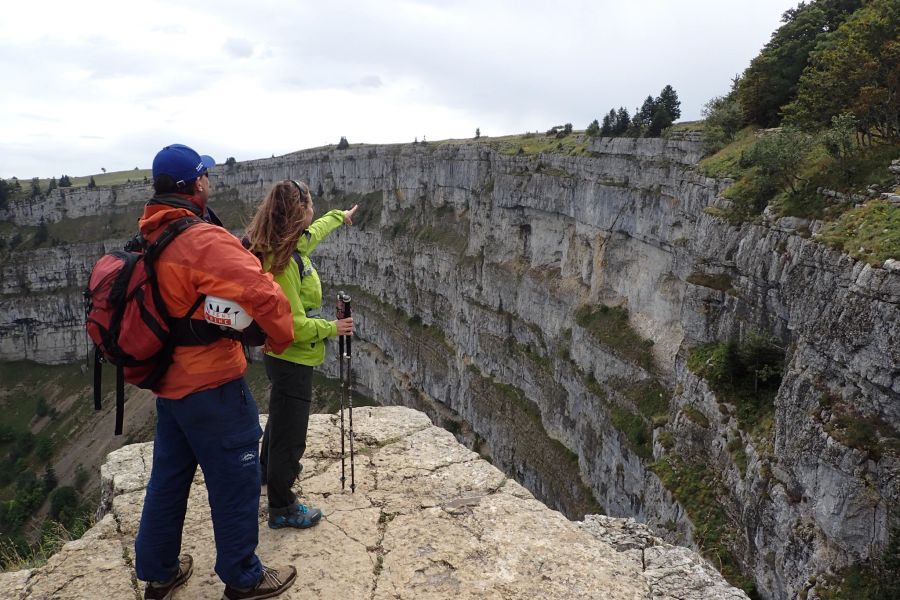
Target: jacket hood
{"points": [[165, 208]]}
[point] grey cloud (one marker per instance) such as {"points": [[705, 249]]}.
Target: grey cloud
{"points": [[372, 81], [238, 48]]}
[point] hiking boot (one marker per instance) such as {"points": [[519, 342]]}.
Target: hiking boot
{"points": [[164, 590], [273, 582], [301, 517]]}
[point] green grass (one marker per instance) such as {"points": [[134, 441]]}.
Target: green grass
{"points": [[752, 191], [747, 383], [807, 203], [867, 166], [519, 441], [440, 227], [368, 215], [609, 325], [735, 447], [31, 390], [25, 381], [16, 554], [844, 423], [685, 127], [725, 162], [719, 281], [877, 578], [594, 387], [701, 492], [649, 396], [870, 233], [114, 178], [530, 144], [637, 431], [100, 180], [696, 416]]}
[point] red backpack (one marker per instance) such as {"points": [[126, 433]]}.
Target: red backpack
{"points": [[127, 318]]}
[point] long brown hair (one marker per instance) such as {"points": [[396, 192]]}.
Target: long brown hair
{"points": [[278, 222]]}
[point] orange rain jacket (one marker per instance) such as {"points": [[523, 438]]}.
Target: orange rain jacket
{"points": [[207, 259]]}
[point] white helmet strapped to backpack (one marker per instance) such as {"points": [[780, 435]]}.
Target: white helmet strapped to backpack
{"points": [[226, 313]]}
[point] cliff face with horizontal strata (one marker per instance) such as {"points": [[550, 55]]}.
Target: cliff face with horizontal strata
{"points": [[478, 279]]}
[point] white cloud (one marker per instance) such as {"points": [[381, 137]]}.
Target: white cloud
{"points": [[106, 84]]}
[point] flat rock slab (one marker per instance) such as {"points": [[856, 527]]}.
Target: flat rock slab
{"points": [[429, 520]]}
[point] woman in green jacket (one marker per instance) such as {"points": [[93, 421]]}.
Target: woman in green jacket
{"points": [[284, 234]]}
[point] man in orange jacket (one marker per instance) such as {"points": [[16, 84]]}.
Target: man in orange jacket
{"points": [[205, 412]]}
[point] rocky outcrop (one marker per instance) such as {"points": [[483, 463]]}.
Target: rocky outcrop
{"points": [[478, 274], [429, 520]]}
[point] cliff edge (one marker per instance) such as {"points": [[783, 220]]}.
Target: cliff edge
{"points": [[429, 520]]}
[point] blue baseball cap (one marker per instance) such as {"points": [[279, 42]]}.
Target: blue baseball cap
{"points": [[181, 163]]}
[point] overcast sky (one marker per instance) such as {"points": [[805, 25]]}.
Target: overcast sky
{"points": [[94, 84]]}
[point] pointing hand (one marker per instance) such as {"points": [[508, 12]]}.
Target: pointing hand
{"points": [[348, 214]]}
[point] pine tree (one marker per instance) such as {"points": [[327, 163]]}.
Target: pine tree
{"points": [[621, 122], [644, 116], [668, 98], [661, 119], [609, 123], [5, 194]]}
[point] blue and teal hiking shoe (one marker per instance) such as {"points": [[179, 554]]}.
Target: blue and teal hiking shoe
{"points": [[301, 517]]}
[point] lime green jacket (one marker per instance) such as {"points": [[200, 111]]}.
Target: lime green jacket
{"points": [[305, 296]]}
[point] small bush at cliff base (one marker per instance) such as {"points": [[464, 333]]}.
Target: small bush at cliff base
{"points": [[747, 376], [610, 326], [878, 578], [700, 492]]}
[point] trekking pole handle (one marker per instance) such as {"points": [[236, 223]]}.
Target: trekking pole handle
{"points": [[344, 300], [339, 314]]}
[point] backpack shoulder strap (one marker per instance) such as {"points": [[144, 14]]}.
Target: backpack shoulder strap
{"points": [[170, 233], [299, 260]]}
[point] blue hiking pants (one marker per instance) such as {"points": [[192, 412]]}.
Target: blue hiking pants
{"points": [[219, 430]]}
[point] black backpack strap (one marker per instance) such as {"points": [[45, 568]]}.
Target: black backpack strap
{"points": [[98, 372], [120, 399], [169, 234], [299, 260], [160, 369], [212, 217]]}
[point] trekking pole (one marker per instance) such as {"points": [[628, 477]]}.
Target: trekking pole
{"points": [[349, 313], [340, 315]]}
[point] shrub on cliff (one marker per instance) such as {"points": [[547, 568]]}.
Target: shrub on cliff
{"points": [[724, 118], [747, 376]]}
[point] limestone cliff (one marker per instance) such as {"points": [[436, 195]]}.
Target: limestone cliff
{"points": [[428, 520], [544, 307]]}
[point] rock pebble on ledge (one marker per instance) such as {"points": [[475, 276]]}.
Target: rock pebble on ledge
{"points": [[430, 520]]}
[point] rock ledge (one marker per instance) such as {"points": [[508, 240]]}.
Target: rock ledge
{"points": [[429, 520]]}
